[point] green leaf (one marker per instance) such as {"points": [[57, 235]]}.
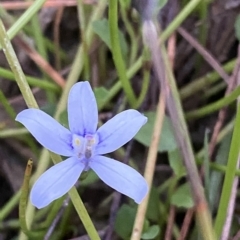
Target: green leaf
{"points": [[161, 4], [91, 177], [49, 108], [153, 206], [176, 163], [63, 119], [182, 197], [124, 221], [151, 233], [100, 27], [216, 178], [167, 139], [100, 94], [237, 27]]}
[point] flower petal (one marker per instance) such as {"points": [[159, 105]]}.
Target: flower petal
{"points": [[82, 109], [55, 182], [121, 177], [48, 132], [119, 130]]}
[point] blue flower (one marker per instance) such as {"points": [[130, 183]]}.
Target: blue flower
{"points": [[84, 145]]}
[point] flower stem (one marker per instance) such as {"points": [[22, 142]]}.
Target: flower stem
{"points": [[16, 68], [117, 54], [31, 102], [81, 210]]}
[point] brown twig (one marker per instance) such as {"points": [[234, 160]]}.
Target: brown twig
{"points": [[50, 3], [34, 55], [41, 62], [223, 111], [168, 83], [56, 219], [171, 50], [205, 54], [170, 223], [237, 236], [186, 224], [56, 37], [232, 200], [231, 206]]}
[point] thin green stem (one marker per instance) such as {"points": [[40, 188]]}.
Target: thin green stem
{"points": [[130, 31], [52, 213], [117, 86], [32, 81], [225, 131], [116, 52], [10, 224], [177, 21], [44, 158], [38, 36], [80, 208], [229, 177], [165, 34], [202, 35], [82, 24], [182, 135], [214, 90], [15, 132], [25, 18], [144, 88], [16, 68], [8, 108], [40, 44], [213, 107], [24, 197], [31, 102], [9, 206], [77, 65], [206, 165], [203, 82], [146, 79]]}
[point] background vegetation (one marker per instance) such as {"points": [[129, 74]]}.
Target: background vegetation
{"points": [[175, 61]]}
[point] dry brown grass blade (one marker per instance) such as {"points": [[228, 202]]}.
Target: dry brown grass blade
{"points": [[223, 111], [20, 5], [171, 51], [204, 53], [173, 103], [150, 166], [41, 62], [170, 223], [186, 224]]}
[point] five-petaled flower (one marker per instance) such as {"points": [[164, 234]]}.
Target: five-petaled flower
{"points": [[84, 145]]}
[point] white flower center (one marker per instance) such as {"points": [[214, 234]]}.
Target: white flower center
{"points": [[84, 146]]}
